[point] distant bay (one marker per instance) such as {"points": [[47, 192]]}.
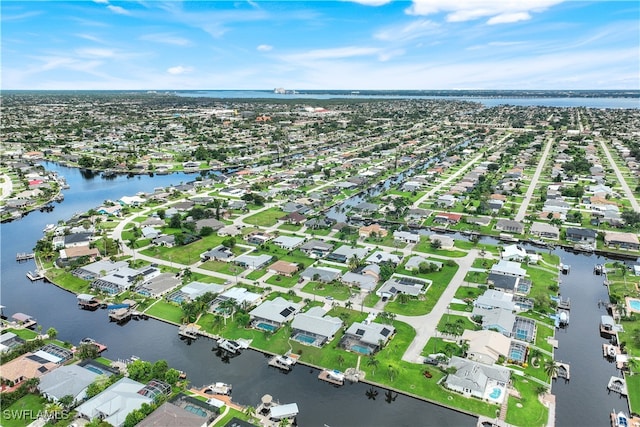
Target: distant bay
{"points": [[617, 102]]}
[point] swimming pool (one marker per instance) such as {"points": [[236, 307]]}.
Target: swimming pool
{"points": [[517, 355], [495, 394], [634, 304], [94, 369], [195, 410], [305, 339], [361, 349], [266, 326]]}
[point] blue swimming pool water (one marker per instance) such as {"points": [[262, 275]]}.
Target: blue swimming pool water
{"points": [[634, 304], [195, 410], [266, 327], [94, 369], [305, 338], [517, 355], [361, 349], [495, 394]]}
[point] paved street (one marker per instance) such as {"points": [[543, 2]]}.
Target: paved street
{"points": [[534, 182]]}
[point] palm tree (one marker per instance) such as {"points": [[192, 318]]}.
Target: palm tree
{"points": [[550, 368], [348, 304], [340, 360], [373, 362], [250, 411], [228, 306], [633, 364]]}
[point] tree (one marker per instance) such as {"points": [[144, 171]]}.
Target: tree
{"points": [[172, 376], [159, 369], [175, 221], [373, 362], [435, 244], [140, 370], [52, 333], [250, 411], [550, 368], [229, 242], [340, 360]]}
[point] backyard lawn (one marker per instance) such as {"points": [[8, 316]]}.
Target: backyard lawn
{"points": [[28, 406], [167, 311], [266, 218]]}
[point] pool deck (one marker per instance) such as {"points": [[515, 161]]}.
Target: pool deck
{"points": [[630, 309]]}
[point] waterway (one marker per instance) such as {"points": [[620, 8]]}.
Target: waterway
{"points": [[523, 101], [583, 401]]}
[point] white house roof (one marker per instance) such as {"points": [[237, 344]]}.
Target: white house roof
{"points": [[380, 256], [115, 403], [240, 295], [315, 322], [195, 289], [277, 310], [509, 267], [288, 241], [66, 380], [284, 411]]}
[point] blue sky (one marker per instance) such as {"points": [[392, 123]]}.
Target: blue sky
{"points": [[365, 44]]}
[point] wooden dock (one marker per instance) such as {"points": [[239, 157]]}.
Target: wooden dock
{"points": [[332, 377], [193, 331], [24, 256], [38, 275]]}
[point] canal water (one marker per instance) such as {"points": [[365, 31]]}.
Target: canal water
{"points": [[320, 403], [583, 401]]}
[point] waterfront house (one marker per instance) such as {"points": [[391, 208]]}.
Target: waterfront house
{"points": [[477, 379], [273, 313], [447, 218], [366, 337], [35, 364], [314, 327], [193, 290], [497, 319], [115, 403], [69, 380], [118, 280], [514, 253], [9, 340], [509, 226], [446, 242], [582, 235], [241, 296], [158, 285], [508, 268], [545, 230], [407, 237], [495, 299], [183, 411], [98, 269], [622, 240], [77, 252], [486, 346]]}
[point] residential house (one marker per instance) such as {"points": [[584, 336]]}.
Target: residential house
{"points": [[514, 253], [477, 379], [407, 237], [288, 243], [98, 268], [400, 284], [446, 242], [372, 230], [212, 223], [258, 238], [413, 263], [316, 248], [545, 230], [346, 253], [115, 403], [380, 256], [283, 268], [486, 346], [366, 337], [254, 262], [321, 274], [622, 240], [582, 235], [447, 218], [510, 226], [295, 218], [68, 380], [219, 253], [508, 268], [273, 312], [446, 201], [314, 327]]}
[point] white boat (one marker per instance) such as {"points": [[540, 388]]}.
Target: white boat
{"points": [[48, 228], [218, 388], [620, 419]]}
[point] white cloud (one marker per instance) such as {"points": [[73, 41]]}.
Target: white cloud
{"points": [[179, 69], [264, 48], [334, 53], [508, 18], [101, 1], [498, 11], [118, 10], [96, 52], [411, 31], [166, 38]]}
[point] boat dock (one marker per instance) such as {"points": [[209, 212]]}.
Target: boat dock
{"points": [[563, 371], [285, 362], [610, 351], [332, 376], [564, 304], [38, 275], [193, 331], [617, 384], [120, 315], [24, 256]]}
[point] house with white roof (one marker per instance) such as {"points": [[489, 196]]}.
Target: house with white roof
{"points": [[68, 380], [508, 268], [380, 256], [477, 379], [288, 243], [115, 403], [274, 312], [486, 346]]}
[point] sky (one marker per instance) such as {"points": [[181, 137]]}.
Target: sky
{"points": [[297, 45]]}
